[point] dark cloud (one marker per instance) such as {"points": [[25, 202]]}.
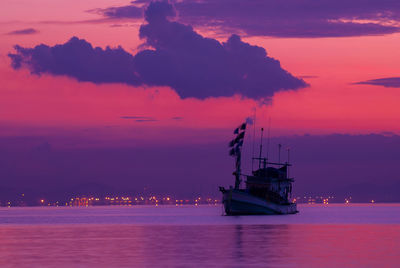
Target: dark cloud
{"points": [[130, 11], [295, 18], [178, 118], [140, 119], [194, 66], [24, 32], [386, 82], [158, 12], [290, 18], [308, 76], [136, 117], [200, 67], [77, 58], [146, 120], [121, 25]]}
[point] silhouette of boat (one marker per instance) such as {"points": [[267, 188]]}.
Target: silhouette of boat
{"points": [[267, 189]]}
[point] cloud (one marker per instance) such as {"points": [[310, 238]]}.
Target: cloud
{"points": [[386, 82], [24, 32], [308, 76], [146, 120], [293, 18], [193, 65], [140, 118], [178, 118], [200, 67], [136, 117], [79, 59], [130, 11]]}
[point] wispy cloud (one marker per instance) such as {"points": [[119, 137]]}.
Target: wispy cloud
{"points": [[26, 31], [136, 117], [308, 76], [146, 120], [140, 118], [177, 118], [385, 82], [290, 18], [130, 11]]}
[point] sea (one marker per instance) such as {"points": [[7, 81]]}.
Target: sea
{"points": [[332, 235]]}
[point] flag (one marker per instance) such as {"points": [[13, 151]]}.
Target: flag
{"points": [[237, 149], [241, 135], [231, 143], [240, 143]]}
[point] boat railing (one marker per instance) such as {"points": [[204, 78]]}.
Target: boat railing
{"points": [[266, 162]]}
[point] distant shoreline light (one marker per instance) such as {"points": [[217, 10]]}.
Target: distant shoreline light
{"points": [[126, 200]]}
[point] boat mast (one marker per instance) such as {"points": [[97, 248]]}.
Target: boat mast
{"points": [[236, 151], [238, 169], [288, 159], [254, 140], [269, 131], [279, 154], [259, 158]]}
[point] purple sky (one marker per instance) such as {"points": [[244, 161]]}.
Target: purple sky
{"points": [[341, 165]]}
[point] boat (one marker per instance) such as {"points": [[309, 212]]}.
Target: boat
{"points": [[268, 189]]}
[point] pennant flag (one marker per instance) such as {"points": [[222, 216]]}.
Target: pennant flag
{"points": [[241, 135], [237, 149], [238, 141], [231, 143]]}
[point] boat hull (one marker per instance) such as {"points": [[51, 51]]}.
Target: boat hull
{"points": [[239, 202]]}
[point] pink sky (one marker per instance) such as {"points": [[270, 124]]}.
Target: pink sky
{"points": [[46, 105]]}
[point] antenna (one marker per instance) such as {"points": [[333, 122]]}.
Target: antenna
{"points": [[269, 130], [254, 139], [288, 159], [259, 161], [279, 154]]}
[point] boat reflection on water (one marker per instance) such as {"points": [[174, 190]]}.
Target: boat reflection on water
{"points": [[110, 245]]}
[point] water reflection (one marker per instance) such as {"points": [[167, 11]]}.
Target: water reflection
{"points": [[238, 250], [259, 244], [199, 246]]}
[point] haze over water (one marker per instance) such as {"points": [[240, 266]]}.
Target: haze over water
{"points": [[335, 235]]}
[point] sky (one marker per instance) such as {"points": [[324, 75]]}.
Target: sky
{"points": [[113, 83]]}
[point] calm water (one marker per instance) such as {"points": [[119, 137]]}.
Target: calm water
{"points": [[320, 236]]}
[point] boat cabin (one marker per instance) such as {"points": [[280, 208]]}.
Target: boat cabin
{"points": [[271, 182]]}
